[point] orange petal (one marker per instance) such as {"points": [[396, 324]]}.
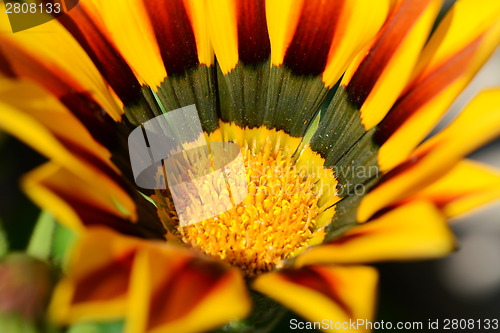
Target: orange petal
{"points": [[328, 295]]}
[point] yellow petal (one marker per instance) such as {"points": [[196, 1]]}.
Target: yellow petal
{"points": [[336, 30], [223, 30], [360, 21], [327, 295], [413, 231], [174, 33], [467, 186], [462, 43], [172, 291], [282, 19], [129, 27], [87, 28], [49, 200], [73, 201], [197, 11], [39, 120], [383, 69], [478, 124], [51, 46], [38, 105], [464, 23], [475, 126], [97, 282]]}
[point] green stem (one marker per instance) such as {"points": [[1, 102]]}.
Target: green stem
{"points": [[266, 314], [40, 244]]}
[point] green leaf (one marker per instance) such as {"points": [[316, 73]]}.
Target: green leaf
{"points": [[40, 244], [4, 244], [50, 240], [16, 324], [265, 315], [148, 199], [62, 241], [114, 327], [308, 135], [312, 129]]}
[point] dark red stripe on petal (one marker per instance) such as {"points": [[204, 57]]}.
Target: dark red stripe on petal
{"points": [[345, 239], [307, 54], [312, 279], [407, 165], [106, 58], [148, 225], [106, 283], [174, 34], [5, 67], [445, 199], [88, 156], [184, 290], [254, 45], [388, 40], [92, 115], [93, 216], [424, 91], [384, 211]]}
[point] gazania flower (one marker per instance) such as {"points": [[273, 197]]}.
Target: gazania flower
{"points": [[338, 176]]}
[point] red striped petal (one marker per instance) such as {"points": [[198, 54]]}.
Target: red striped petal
{"points": [[174, 34], [253, 39], [307, 53], [461, 44], [381, 72], [111, 64], [331, 295]]}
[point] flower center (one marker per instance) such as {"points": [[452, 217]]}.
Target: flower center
{"points": [[276, 218]]}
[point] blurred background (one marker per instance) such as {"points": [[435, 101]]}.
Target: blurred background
{"points": [[465, 285]]}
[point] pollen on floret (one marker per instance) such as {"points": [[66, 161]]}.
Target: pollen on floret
{"points": [[276, 218]]}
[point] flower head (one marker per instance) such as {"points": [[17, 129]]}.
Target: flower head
{"points": [[329, 102]]}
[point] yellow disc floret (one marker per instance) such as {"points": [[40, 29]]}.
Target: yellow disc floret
{"points": [[277, 219]]}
